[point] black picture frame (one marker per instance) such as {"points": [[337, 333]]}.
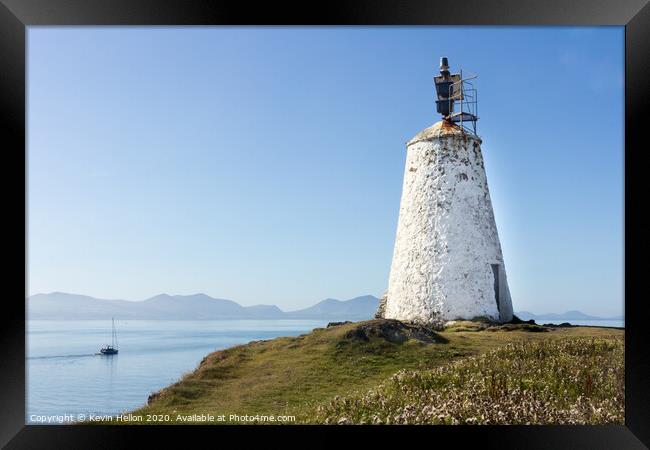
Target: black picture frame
{"points": [[16, 15]]}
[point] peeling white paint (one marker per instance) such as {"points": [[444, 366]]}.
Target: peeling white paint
{"points": [[447, 238]]}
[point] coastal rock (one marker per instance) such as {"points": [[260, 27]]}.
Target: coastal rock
{"points": [[153, 396], [336, 324], [394, 331], [517, 320], [381, 309], [562, 325]]}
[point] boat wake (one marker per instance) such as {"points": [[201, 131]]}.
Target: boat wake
{"points": [[63, 356]]}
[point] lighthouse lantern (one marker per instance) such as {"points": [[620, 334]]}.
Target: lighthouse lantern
{"points": [[457, 99]]}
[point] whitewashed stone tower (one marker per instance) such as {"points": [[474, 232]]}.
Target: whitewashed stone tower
{"points": [[447, 262]]}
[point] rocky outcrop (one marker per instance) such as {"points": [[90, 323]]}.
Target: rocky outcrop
{"points": [[394, 331], [382, 306], [336, 324]]}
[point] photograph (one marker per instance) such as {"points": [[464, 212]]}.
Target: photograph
{"points": [[325, 225], [357, 221]]}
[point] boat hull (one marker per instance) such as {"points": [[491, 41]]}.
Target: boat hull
{"points": [[108, 351]]}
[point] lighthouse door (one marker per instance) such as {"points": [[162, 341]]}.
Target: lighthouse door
{"points": [[495, 272]]}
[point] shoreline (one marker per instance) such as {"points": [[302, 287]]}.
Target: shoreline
{"points": [[329, 362], [254, 345]]}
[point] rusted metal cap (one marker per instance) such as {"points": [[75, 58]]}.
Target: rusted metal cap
{"points": [[440, 129]]}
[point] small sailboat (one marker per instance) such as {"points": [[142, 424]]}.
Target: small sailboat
{"points": [[111, 349]]}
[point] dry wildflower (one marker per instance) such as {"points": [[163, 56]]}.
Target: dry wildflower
{"points": [[576, 381]]}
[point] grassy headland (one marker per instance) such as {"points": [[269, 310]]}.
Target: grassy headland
{"points": [[573, 381], [384, 371]]}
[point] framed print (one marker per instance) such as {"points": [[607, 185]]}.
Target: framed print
{"points": [[358, 219]]}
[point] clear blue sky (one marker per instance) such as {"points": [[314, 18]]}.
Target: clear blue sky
{"points": [[265, 165]]}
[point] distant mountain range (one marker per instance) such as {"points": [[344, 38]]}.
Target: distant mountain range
{"points": [[63, 306], [569, 315]]}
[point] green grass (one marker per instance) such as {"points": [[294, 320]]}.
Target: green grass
{"points": [[296, 376], [571, 381]]}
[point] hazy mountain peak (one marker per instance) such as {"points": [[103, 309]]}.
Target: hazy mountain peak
{"points": [[193, 296], [329, 300], [159, 297], [190, 307]]}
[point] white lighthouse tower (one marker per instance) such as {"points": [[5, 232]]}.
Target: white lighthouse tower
{"points": [[447, 262]]}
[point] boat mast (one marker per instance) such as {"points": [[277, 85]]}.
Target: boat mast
{"points": [[114, 335]]}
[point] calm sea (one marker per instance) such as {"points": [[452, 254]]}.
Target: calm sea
{"points": [[66, 376]]}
